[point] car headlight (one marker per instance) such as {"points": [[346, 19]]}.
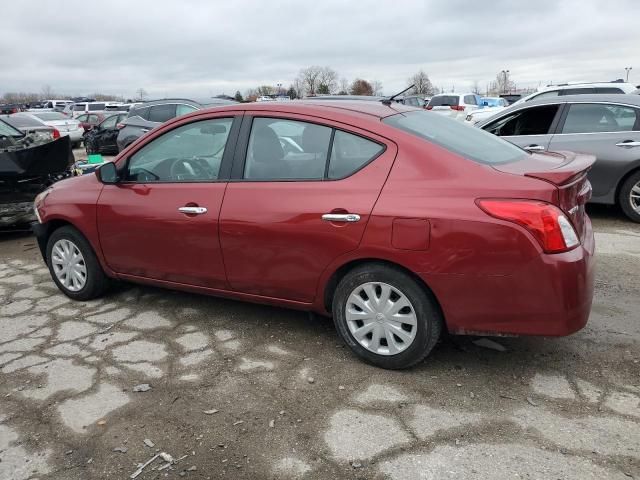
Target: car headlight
{"points": [[39, 200]]}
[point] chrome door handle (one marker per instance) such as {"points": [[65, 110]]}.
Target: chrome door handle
{"points": [[341, 217], [628, 144], [535, 148], [193, 210]]}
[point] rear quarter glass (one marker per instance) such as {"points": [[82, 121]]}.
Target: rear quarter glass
{"points": [[469, 142]]}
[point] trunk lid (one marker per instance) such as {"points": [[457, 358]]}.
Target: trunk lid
{"points": [[567, 171]]}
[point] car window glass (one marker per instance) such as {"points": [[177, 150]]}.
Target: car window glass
{"points": [[594, 118], [79, 107], [182, 109], [608, 90], [349, 153], [286, 149], [552, 93], [82, 118], [141, 112], [189, 153], [472, 143], [162, 113], [470, 100], [109, 122], [444, 101], [577, 91], [529, 121], [93, 107], [93, 118]]}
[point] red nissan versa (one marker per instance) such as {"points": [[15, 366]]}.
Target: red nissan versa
{"points": [[398, 222]]}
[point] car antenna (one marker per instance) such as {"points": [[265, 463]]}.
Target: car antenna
{"points": [[387, 101]]}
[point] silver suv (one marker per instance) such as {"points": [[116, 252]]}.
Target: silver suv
{"points": [[149, 115]]}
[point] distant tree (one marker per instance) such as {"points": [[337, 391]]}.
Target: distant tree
{"points": [[323, 89], [328, 79], [238, 96], [475, 87], [251, 95], [265, 90], [142, 93], [502, 83], [422, 84], [344, 87], [376, 85], [310, 79], [361, 87], [292, 93], [298, 86], [47, 92]]}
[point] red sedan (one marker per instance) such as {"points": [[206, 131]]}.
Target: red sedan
{"points": [[397, 222]]}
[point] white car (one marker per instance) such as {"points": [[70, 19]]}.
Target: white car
{"points": [[57, 105], [579, 89], [454, 105], [88, 107], [65, 125], [490, 106]]}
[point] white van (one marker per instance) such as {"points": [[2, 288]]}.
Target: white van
{"points": [[86, 107]]}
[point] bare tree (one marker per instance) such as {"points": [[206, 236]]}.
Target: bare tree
{"points": [[376, 85], [328, 79], [142, 93], [422, 84], [361, 87], [298, 86], [502, 83], [310, 79], [475, 87], [265, 90], [47, 92], [344, 86]]}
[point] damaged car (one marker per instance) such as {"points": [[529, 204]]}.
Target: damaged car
{"points": [[28, 165]]}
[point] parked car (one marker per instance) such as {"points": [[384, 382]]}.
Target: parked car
{"points": [[596, 88], [65, 125], [398, 222], [151, 114], [32, 127], [419, 101], [90, 120], [454, 105], [10, 108], [607, 126], [57, 105], [489, 106], [87, 107], [28, 165], [102, 138]]}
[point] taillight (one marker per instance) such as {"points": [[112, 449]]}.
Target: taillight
{"points": [[544, 221], [56, 133], [458, 108], [120, 126], [429, 107]]}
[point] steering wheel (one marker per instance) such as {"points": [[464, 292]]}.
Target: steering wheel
{"points": [[187, 168]]}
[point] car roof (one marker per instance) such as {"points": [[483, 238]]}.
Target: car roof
{"points": [[590, 98], [323, 107], [361, 98]]}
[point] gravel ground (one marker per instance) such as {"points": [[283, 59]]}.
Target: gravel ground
{"points": [[234, 390]]}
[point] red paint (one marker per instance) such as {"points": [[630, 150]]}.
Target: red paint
{"points": [[266, 241]]}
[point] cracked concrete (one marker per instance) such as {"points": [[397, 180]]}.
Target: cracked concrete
{"points": [[547, 408]]}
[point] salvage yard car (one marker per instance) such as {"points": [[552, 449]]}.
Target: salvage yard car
{"points": [[102, 138], [66, 126], [607, 126], [397, 222], [29, 163]]}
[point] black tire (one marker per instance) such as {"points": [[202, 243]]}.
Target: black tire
{"points": [[624, 196], [96, 282], [427, 311]]}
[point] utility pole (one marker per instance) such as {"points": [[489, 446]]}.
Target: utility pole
{"points": [[628, 69], [505, 74]]}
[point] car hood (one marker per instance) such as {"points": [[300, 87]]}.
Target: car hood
{"points": [[35, 159]]}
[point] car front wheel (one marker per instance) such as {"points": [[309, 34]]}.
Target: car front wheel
{"points": [[74, 266], [385, 316], [629, 197]]}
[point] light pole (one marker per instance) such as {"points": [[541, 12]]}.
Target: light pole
{"points": [[279, 88], [505, 73], [628, 69]]}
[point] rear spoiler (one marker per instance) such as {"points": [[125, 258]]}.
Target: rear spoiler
{"points": [[575, 166]]}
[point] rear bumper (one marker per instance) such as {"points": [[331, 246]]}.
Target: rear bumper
{"points": [[550, 296]]}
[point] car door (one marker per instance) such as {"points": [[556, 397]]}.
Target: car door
{"points": [[528, 127], [105, 134], [160, 221], [608, 131], [300, 196]]}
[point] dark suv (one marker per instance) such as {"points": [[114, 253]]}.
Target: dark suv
{"points": [[149, 115]]}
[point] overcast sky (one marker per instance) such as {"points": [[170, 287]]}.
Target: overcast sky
{"points": [[202, 48]]}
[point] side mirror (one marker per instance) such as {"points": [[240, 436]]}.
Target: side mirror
{"points": [[107, 173]]}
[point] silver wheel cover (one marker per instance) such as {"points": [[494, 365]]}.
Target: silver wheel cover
{"points": [[381, 318], [68, 265], [634, 198]]}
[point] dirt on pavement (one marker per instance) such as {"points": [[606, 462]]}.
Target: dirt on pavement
{"points": [[239, 391]]}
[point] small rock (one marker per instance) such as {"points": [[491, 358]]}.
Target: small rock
{"points": [[458, 384], [239, 422], [472, 395], [90, 461], [192, 468], [490, 344], [311, 380], [120, 449], [166, 457], [272, 423], [281, 412], [210, 412], [182, 474], [457, 441], [143, 387], [149, 443], [68, 452], [356, 464], [102, 422]]}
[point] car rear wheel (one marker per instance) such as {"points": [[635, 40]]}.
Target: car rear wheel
{"points": [[74, 266], [385, 316], [629, 197]]}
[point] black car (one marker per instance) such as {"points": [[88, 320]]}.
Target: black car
{"points": [[102, 138]]}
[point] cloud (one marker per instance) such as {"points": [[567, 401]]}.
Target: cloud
{"points": [[201, 48]]}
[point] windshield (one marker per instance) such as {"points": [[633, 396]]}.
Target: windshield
{"points": [[48, 116], [7, 130], [492, 102], [470, 142]]}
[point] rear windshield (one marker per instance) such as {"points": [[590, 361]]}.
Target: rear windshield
{"points": [[96, 106], [470, 142], [8, 131], [23, 121], [444, 101]]}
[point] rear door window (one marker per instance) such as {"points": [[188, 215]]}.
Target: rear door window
{"points": [[79, 107], [577, 91], [470, 100], [552, 93], [162, 113], [529, 121], [599, 118]]}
